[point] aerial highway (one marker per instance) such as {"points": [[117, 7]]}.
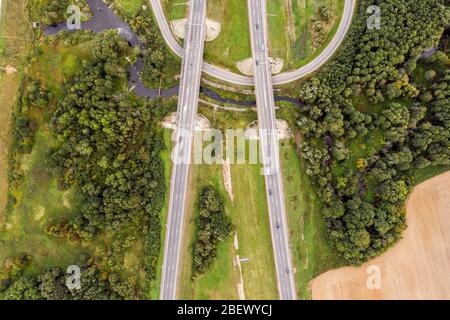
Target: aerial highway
{"points": [[269, 149], [187, 111], [282, 78], [173, 44]]}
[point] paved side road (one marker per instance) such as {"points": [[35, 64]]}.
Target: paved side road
{"points": [[187, 110], [270, 149], [282, 78]]}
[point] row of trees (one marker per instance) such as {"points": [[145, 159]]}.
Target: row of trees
{"points": [[212, 227], [370, 97], [50, 284]]}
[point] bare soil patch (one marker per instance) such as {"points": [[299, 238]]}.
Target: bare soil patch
{"points": [[417, 267], [213, 29]]}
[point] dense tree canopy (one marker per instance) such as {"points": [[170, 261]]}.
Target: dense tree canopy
{"points": [[213, 226], [364, 190]]}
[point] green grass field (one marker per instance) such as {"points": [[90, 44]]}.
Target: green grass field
{"points": [[130, 7], [233, 43], [57, 63], [277, 20], [175, 9], [40, 202], [253, 228], [291, 34]]}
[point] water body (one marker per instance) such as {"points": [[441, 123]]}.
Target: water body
{"points": [[104, 18]]}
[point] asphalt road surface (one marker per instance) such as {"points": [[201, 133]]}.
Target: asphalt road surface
{"points": [[270, 149], [282, 78], [187, 110]]}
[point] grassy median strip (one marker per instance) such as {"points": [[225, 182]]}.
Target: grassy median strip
{"points": [[249, 216], [233, 43], [220, 281]]}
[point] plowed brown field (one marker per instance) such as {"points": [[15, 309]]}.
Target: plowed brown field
{"points": [[418, 267]]}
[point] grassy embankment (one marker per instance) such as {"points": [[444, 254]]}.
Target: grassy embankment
{"points": [[233, 42], [291, 35], [130, 7]]}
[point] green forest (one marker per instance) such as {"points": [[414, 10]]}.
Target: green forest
{"points": [[212, 227], [96, 141], [377, 117]]}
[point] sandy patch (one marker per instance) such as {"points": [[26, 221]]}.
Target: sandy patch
{"points": [[237, 263], [226, 173], [9, 69], [179, 28], [235, 241], [416, 268], [284, 132], [246, 66], [276, 65], [201, 122], [40, 212], [213, 29], [66, 201]]}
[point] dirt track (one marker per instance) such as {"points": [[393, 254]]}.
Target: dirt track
{"points": [[417, 267]]}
